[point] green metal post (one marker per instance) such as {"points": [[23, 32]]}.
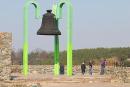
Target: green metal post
{"points": [[69, 42], [25, 48], [69, 31], [56, 60], [56, 48]]}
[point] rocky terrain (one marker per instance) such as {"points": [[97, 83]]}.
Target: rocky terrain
{"points": [[5, 55]]}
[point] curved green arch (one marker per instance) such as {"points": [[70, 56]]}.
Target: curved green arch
{"points": [[25, 47], [58, 12]]}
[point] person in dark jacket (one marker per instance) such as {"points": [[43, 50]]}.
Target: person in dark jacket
{"points": [[83, 67], [61, 69], [103, 65]]}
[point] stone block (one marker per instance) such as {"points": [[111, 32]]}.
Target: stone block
{"points": [[5, 55]]}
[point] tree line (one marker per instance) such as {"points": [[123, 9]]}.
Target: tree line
{"points": [[41, 57]]}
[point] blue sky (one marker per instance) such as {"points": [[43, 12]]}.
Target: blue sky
{"points": [[97, 23]]}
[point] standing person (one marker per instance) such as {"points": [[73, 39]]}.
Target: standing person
{"points": [[75, 70], [61, 69], [83, 67], [90, 67], [103, 65]]}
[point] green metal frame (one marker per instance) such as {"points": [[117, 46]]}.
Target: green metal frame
{"points": [[57, 10], [25, 47], [56, 48]]}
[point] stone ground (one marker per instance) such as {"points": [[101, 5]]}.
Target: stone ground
{"points": [[38, 80], [84, 85], [64, 84]]}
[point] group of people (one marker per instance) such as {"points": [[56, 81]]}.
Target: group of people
{"points": [[90, 65]]}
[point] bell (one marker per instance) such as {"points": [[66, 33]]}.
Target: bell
{"points": [[49, 25]]}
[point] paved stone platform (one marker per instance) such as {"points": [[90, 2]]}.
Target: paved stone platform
{"points": [[78, 78], [48, 80], [63, 84]]}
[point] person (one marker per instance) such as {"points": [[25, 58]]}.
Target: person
{"points": [[61, 69], [83, 67], [75, 70], [103, 65], [90, 67]]}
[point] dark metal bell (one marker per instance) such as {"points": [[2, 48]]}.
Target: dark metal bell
{"points": [[49, 25]]}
